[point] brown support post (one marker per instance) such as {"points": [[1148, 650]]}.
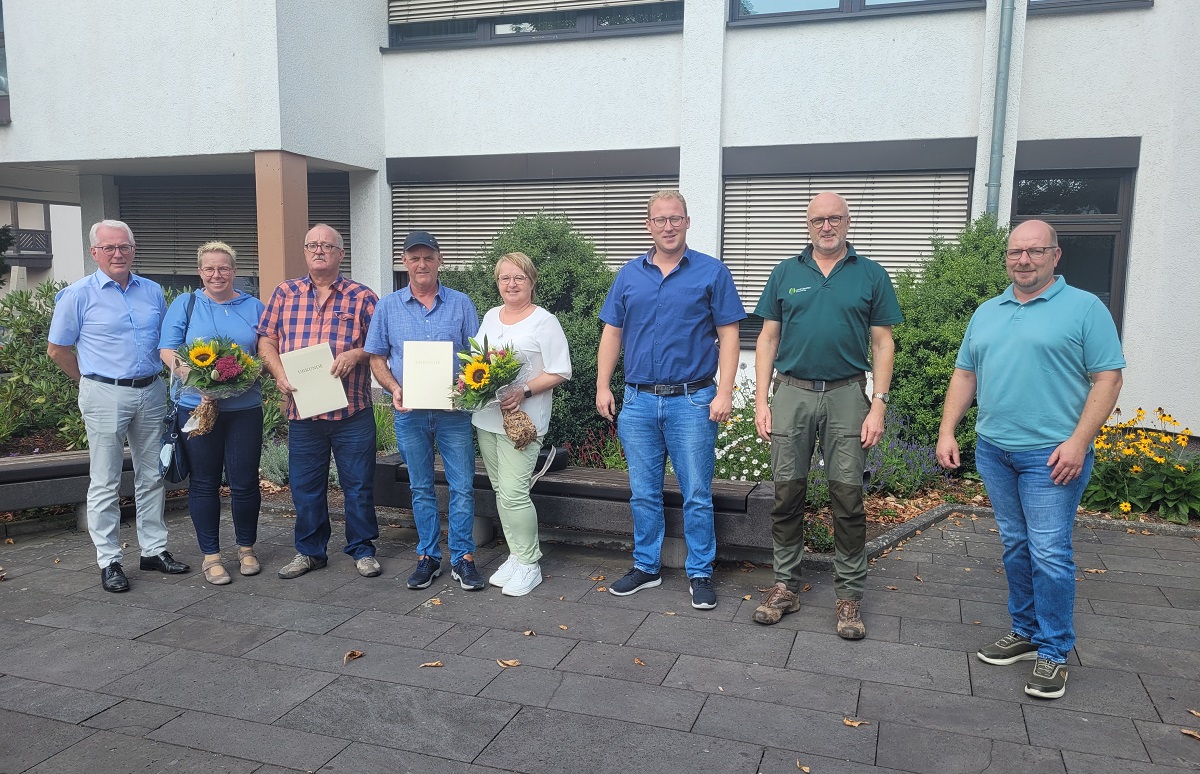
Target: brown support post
{"points": [[281, 183]]}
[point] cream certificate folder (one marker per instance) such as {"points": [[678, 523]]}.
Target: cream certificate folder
{"points": [[428, 374], [317, 390]]}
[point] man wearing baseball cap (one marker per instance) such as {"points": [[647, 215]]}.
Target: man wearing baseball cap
{"points": [[425, 310]]}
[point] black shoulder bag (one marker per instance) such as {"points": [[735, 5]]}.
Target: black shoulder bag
{"points": [[173, 458]]}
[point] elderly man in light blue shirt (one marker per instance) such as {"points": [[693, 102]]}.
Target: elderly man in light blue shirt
{"points": [[104, 335], [426, 310]]}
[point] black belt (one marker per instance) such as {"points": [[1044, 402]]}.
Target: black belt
{"points": [[818, 385], [670, 390], [145, 381]]}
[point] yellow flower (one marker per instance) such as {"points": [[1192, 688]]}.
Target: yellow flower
{"points": [[1181, 440], [1128, 451], [476, 374], [1126, 507], [1181, 468], [1136, 469], [202, 355], [1159, 460]]}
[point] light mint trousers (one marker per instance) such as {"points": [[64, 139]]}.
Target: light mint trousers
{"points": [[509, 471]]}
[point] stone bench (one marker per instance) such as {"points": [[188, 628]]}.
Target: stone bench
{"points": [[592, 505], [62, 478]]}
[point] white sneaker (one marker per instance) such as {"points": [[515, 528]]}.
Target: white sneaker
{"points": [[504, 572], [525, 577]]}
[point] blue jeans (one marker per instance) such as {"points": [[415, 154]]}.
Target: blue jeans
{"points": [[234, 445], [416, 432], [352, 444], [1035, 517], [651, 428]]}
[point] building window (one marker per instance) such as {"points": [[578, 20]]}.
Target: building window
{"points": [[30, 224], [1091, 212], [1083, 6], [776, 11], [440, 23]]}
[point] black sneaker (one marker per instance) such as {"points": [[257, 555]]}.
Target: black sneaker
{"points": [[428, 568], [467, 576], [1009, 649], [635, 580], [1048, 681], [703, 596]]}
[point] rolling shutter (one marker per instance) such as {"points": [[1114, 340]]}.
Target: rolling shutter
{"points": [[408, 11], [170, 219], [893, 218], [465, 217]]}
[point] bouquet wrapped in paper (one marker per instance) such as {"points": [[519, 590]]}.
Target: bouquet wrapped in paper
{"points": [[218, 369], [488, 373]]}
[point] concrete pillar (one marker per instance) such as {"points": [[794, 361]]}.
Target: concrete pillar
{"points": [[371, 224], [700, 170], [281, 183], [97, 201]]}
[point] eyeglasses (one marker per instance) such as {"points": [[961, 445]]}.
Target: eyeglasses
{"points": [[316, 247], [674, 220], [833, 220], [208, 271], [504, 279], [111, 250], [1035, 253]]}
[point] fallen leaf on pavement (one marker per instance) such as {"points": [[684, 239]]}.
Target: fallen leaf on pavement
{"points": [[9, 541], [351, 655], [891, 588], [993, 529], [977, 623], [435, 601], [432, 664], [765, 589], [1194, 712], [529, 633], [1190, 732], [807, 587], [1147, 532], [506, 663], [639, 662], [601, 588], [919, 578], [719, 688], [1094, 570], [563, 627], [670, 612], [747, 597], [597, 577], [805, 769], [57, 560], [966, 569], [854, 723], [560, 599]]}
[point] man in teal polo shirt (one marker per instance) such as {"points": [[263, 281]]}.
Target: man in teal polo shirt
{"points": [[1045, 362], [821, 310]]}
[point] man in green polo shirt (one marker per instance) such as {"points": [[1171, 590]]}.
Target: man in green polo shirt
{"points": [[822, 311]]}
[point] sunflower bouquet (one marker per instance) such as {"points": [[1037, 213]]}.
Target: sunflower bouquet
{"points": [[218, 369], [487, 373]]}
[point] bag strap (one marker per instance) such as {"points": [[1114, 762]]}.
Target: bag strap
{"points": [[173, 393]]}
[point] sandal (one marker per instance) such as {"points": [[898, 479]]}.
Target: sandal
{"points": [[214, 571], [247, 561]]}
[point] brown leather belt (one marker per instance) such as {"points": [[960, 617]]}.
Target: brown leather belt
{"points": [[671, 390], [818, 385]]}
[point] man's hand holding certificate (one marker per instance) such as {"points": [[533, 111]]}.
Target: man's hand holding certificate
{"points": [[318, 390], [428, 374]]}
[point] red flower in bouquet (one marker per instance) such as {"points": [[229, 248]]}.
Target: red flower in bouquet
{"points": [[226, 368]]}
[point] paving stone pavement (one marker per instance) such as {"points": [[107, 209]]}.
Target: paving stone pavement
{"points": [[181, 676]]}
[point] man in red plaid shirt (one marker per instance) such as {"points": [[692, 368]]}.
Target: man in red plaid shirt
{"points": [[327, 307]]}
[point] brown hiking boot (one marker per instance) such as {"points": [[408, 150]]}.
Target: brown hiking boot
{"points": [[849, 624], [777, 602]]}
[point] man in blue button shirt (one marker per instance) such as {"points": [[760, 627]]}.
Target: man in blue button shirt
{"points": [[1045, 362], [112, 319], [426, 310], [676, 312]]}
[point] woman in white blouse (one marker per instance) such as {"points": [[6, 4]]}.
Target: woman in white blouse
{"points": [[537, 336]]}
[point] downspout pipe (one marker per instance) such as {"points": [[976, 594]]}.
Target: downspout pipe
{"points": [[1000, 106]]}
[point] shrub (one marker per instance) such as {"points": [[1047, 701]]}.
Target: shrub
{"points": [[385, 427], [572, 283], [6, 241], [1144, 469], [600, 448], [36, 396], [274, 420], [938, 302], [273, 466]]}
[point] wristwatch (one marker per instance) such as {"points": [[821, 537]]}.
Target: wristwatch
{"points": [[528, 392], [883, 396]]}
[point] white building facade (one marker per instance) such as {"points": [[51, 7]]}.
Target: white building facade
{"points": [[248, 121]]}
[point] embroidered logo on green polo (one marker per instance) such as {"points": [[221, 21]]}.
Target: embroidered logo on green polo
{"points": [[794, 291]]}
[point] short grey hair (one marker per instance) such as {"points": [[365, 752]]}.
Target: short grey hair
{"points": [[93, 241], [337, 235]]}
